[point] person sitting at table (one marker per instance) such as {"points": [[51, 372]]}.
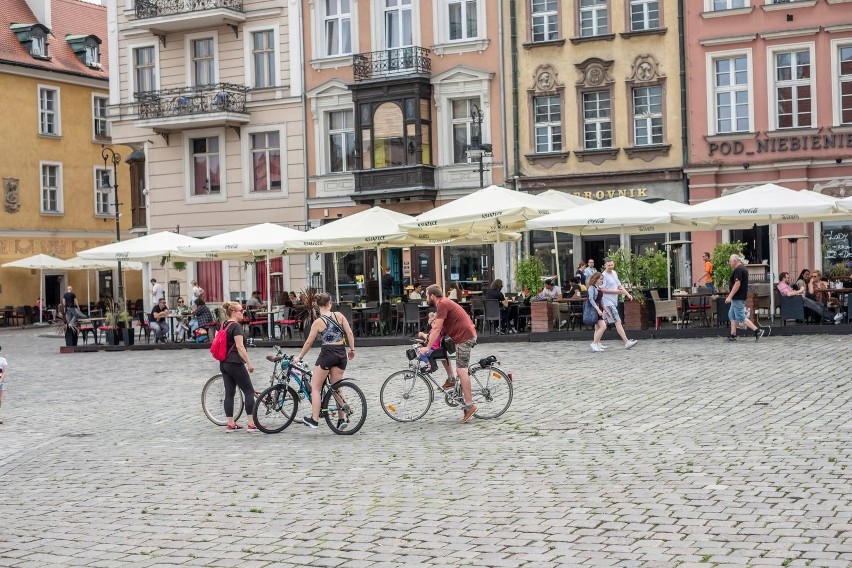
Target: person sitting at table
{"points": [[550, 292], [507, 314], [416, 293], [818, 290], [202, 316], [159, 323], [820, 310], [575, 289], [254, 302], [581, 273], [182, 324], [454, 292], [802, 280]]}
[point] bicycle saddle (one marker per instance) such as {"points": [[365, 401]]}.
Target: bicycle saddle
{"points": [[274, 358], [487, 361]]}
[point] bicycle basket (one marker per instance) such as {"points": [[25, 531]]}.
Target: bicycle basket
{"points": [[411, 353]]}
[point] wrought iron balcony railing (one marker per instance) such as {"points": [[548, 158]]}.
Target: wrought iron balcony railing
{"points": [[156, 8], [391, 63], [203, 99]]}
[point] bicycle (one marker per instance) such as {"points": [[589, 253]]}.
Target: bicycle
{"points": [[277, 406], [407, 395]]}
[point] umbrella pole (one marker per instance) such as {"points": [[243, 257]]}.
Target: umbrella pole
{"points": [[669, 269], [336, 279], [88, 297], [268, 299], [379, 271], [41, 297], [443, 274], [558, 269]]}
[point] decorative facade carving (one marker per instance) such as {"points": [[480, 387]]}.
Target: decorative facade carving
{"points": [[595, 73], [546, 79], [835, 188], [646, 69], [10, 195]]}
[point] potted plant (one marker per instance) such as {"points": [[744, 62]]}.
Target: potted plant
{"points": [[631, 270], [528, 274], [838, 272], [119, 322], [63, 327]]}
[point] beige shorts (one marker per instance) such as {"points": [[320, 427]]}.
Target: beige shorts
{"points": [[463, 353]]}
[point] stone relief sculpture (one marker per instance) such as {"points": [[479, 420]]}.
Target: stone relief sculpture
{"points": [[10, 195]]}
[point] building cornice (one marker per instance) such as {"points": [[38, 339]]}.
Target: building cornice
{"points": [[780, 34], [727, 40], [40, 73], [723, 13]]}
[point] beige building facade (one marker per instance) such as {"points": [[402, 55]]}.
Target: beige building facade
{"points": [[596, 85], [209, 95], [403, 97]]}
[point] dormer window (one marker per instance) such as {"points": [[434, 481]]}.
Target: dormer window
{"points": [[87, 49], [33, 37]]}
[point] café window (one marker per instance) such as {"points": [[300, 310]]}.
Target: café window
{"points": [[470, 266], [837, 247]]}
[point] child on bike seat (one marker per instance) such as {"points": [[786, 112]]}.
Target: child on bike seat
{"points": [[434, 351]]}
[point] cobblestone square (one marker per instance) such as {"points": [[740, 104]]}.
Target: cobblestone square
{"points": [[677, 452]]}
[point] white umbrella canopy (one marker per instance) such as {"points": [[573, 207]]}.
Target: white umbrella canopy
{"points": [[370, 228], [764, 204], [487, 208], [562, 200], [616, 215], [40, 262], [150, 248], [845, 205], [248, 242], [79, 263]]}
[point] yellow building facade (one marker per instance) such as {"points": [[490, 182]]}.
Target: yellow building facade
{"points": [[58, 198]]}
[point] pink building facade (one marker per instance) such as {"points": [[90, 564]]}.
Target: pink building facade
{"points": [[770, 101], [401, 97]]}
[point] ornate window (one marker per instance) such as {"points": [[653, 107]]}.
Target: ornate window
{"points": [[647, 107], [462, 16], [544, 20], [465, 136], [548, 124], [341, 141], [266, 161], [597, 120], [647, 116], [546, 100], [594, 18], [337, 28], [644, 15], [793, 95], [731, 94]]}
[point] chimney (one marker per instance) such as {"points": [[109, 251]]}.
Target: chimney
{"points": [[41, 10]]}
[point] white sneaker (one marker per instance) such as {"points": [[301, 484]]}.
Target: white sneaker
{"points": [[602, 346], [838, 317], [596, 348], [630, 343]]}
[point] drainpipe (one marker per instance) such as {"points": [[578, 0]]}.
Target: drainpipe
{"points": [[513, 29], [502, 83], [681, 37], [304, 98]]}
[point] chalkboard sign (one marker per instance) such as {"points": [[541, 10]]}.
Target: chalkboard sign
{"points": [[837, 244]]}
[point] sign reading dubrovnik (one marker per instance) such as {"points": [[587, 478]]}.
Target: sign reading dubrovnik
{"points": [[610, 193], [780, 144]]}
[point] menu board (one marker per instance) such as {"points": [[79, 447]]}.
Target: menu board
{"points": [[837, 244]]}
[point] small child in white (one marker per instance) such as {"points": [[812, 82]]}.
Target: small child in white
{"points": [[4, 367]]}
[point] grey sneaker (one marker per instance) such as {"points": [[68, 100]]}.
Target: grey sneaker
{"points": [[630, 343], [758, 334], [838, 317], [309, 422]]}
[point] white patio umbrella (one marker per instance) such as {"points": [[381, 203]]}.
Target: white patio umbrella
{"points": [[844, 205], [372, 228], [491, 208], [560, 201], [264, 239], [150, 248], [40, 262], [89, 265], [762, 205]]}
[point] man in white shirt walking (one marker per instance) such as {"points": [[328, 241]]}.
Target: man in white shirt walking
{"points": [[156, 292], [611, 289]]}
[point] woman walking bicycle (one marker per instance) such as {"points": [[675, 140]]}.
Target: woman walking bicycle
{"points": [[331, 327], [236, 367]]}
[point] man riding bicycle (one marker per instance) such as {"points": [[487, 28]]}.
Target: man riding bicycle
{"points": [[452, 320]]}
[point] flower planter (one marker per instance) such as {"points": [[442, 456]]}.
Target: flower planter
{"points": [[541, 315], [635, 315], [113, 337], [128, 335], [71, 337]]}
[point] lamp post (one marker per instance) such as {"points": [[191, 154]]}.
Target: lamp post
{"points": [[477, 118], [109, 155]]}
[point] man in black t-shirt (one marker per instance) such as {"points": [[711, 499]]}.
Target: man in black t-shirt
{"points": [[72, 307], [159, 322], [737, 297]]}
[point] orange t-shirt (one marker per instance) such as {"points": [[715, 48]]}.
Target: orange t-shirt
{"points": [[708, 271]]}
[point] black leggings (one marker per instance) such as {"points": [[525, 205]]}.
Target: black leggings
{"points": [[236, 374]]}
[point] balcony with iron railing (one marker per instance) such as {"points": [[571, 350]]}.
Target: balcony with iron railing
{"points": [[391, 63], [203, 106], [167, 16]]}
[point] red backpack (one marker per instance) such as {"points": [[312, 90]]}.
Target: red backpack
{"points": [[219, 347]]}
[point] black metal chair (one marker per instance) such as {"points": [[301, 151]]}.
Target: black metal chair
{"points": [[411, 316], [792, 308], [491, 314]]}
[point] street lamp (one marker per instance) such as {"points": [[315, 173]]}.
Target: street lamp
{"points": [[109, 155], [476, 117]]}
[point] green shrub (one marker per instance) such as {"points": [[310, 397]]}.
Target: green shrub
{"points": [[721, 267]]}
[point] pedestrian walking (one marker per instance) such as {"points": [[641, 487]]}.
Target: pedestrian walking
{"points": [[738, 287], [595, 298], [236, 368], [611, 289], [4, 368], [156, 292]]}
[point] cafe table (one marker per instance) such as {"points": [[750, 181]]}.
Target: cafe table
{"points": [[704, 306], [93, 323]]}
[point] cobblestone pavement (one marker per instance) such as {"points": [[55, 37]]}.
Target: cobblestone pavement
{"points": [[690, 452]]}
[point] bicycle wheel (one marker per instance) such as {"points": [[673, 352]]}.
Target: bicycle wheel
{"points": [[406, 396], [213, 401], [275, 409], [492, 392], [344, 402]]}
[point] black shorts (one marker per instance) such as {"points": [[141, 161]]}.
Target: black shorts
{"points": [[332, 356]]}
